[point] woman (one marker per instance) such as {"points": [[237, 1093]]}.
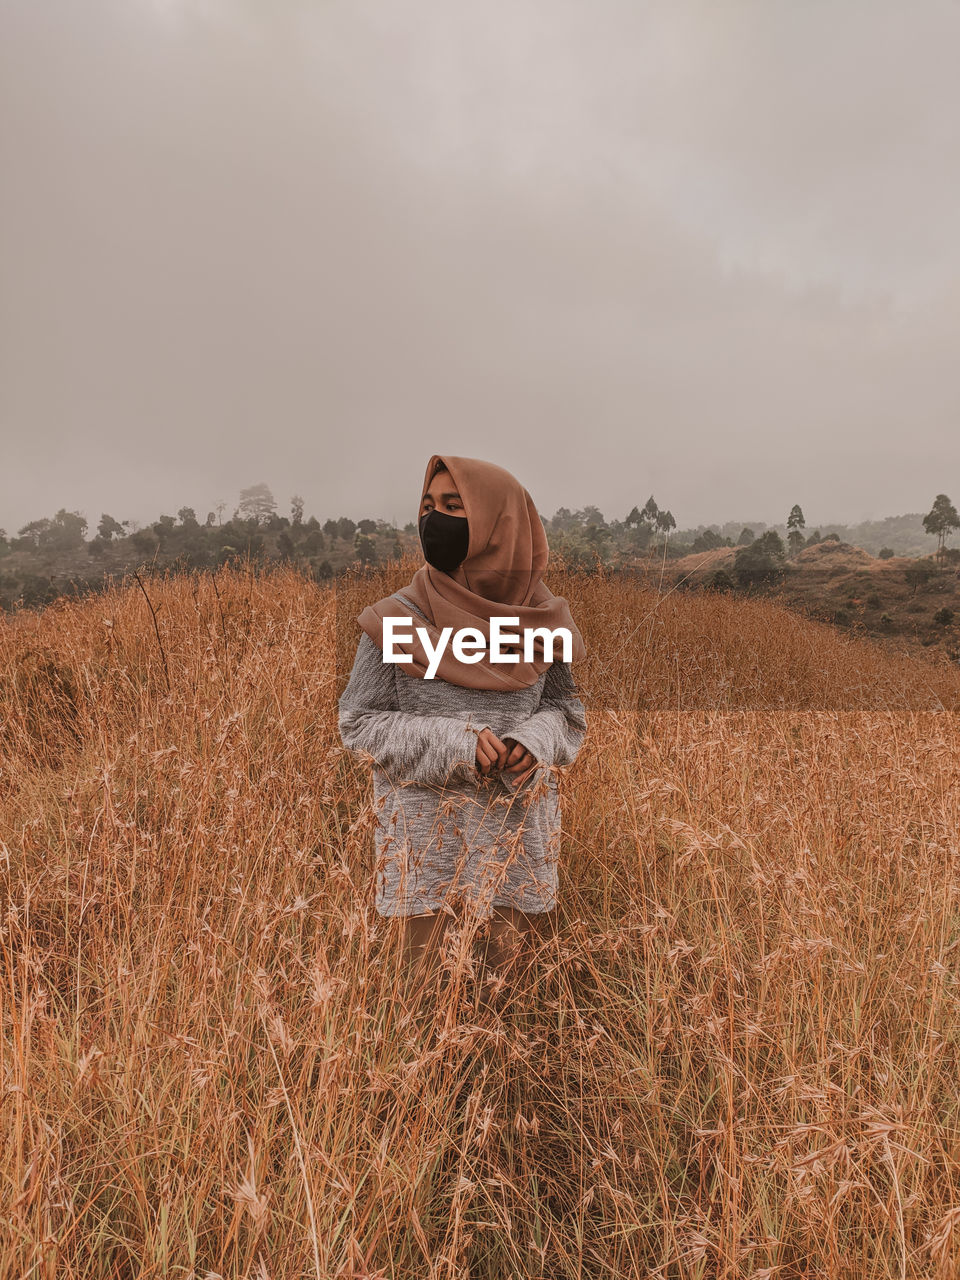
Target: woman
{"points": [[466, 800]]}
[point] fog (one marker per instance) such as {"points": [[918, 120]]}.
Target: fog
{"points": [[705, 251]]}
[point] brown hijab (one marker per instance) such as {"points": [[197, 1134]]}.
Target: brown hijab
{"points": [[499, 577]]}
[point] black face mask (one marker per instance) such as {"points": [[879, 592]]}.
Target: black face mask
{"points": [[444, 539]]}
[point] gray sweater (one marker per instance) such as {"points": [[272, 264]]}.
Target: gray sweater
{"points": [[443, 831]]}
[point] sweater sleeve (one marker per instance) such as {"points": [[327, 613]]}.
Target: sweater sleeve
{"points": [[555, 731], [408, 746]]}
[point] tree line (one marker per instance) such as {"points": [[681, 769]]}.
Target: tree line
{"points": [[35, 563]]}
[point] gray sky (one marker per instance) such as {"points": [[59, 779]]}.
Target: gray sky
{"points": [[705, 250]]}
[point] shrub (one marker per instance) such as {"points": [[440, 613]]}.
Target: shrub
{"points": [[886, 553], [144, 541], [918, 574], [720, 581], [944, 617]]}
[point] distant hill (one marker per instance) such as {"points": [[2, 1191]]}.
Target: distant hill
{"points": [[908, 602], [904, 535], [830, 556]]}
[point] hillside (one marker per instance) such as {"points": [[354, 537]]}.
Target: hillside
{"points": [[827, 555], [899, 602]]}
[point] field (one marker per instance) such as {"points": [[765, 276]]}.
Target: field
{"points": [[737, 1054]]}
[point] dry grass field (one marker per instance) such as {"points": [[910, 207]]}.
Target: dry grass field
{"points": [[737, 1053]]}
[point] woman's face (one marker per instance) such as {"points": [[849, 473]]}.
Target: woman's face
{"points": [[442, 496]]}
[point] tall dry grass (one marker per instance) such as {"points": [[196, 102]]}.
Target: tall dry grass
{"points": [[737, 1055]]}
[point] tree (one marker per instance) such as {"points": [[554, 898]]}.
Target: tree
{"points": [[940, 521], [709, 540], [886, 553], [562, 520], [795, 527], [650, 512], [632, 520], [68, 530], [918, 574], [366, 549], [795, 519], [108, 527], [597, 536], [760, 562], [296, 509], [188, 518], [164, 527], [257, 503], [143, 541], [664, 522], [346, 528], [591, 516], [33, 533], [63, 533], [746, 537], [331, 528], [577, 552], [368, 527]]}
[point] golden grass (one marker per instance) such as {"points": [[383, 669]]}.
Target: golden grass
{"points": [[737, 1055]]}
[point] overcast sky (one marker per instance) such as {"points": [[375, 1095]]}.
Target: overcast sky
{"points": [[705, 250]]}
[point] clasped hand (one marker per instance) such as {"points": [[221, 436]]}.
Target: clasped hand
{"points": [[509, 756]]}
